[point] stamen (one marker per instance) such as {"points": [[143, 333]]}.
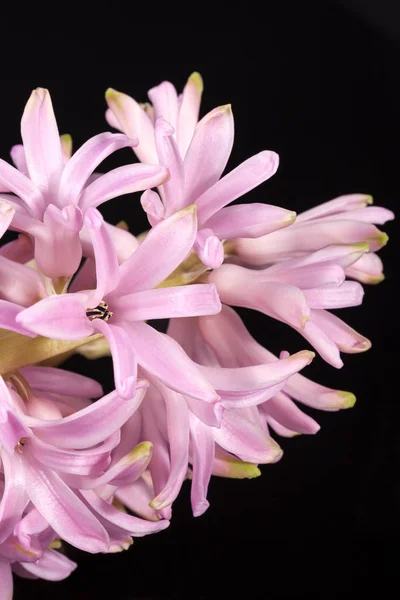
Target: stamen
{"points": [[99, 312], [20, 445], [20, 385]]}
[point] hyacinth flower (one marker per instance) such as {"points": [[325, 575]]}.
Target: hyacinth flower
{"points": [[38, 557], [124, 298], [52, 196], [50, 442], [345, 220], [300, 292], [196, 154]]}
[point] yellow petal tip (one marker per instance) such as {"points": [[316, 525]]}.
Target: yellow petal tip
{"points": [[348, 399], [197, 81]]}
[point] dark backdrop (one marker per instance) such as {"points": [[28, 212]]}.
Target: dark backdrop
{"points": [[319, 83]]}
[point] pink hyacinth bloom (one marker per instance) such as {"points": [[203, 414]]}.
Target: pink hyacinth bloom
{"points": [[50, 443], [51, 195], [299, 292], [27, 553], [124, 298], [196, 154], [344, 220]]}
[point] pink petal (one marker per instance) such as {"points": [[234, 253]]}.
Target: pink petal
{"points": [[52, 566], [60, 317], [202, 452], [152, 206], [249, 220], [161, 356], [14, 181], [8, 318], [82, 164], [41, 141], [283, 410], [91, 425], [210, 414], [17, 154], [170, 241], [137, 498], [188, 113], [244, 439], [121, 181], [165, 102], [123, 355], [368, 269], [134, 122], [90, 462], [178, 436], [242, 287], [209, 248], [346, 338], [322, 342], [19, 250], [124, 242], [49, 379], [132, 525], [171, 302], [168, 155], [6, 580], [350, 293], [245, 177], [370, 214], [318, 396], [107, 268], [6, 216], [335, 206], [258, 376], [14, 497], [307, 237], [61, 508], [20, 284], [208, 152]]}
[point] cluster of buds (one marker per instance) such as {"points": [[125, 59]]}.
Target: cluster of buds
{"points": [[203, 399]]}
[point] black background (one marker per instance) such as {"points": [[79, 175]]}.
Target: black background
{"points": [[319, 84]]}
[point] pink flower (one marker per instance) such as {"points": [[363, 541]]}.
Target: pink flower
{"points": [[50, 443], [344, 220], [52, 195], [196, 155], [124, 298], [298, 292]]}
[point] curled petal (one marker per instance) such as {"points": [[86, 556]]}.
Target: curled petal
{"points": [[83, 462], [18, 183], [6, 579], [318, 396], [368, 269], [49, 379], [52, 566], [165, 102], [91, 425], [283, 410], [337, 205], [8, 318], [121, 181], [346, 338], [153, 207], [202, 452], [14, 497], [6, 216], [20, 284], [238, 182], [350, 293], [82, 164], [168, 154], [209, 248], [322, 342]]}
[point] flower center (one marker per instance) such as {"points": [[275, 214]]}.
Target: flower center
{"points": [[99, 312], [20, 445]]}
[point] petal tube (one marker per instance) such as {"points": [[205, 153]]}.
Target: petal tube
{"points": [[208, 152], [245, 177]]}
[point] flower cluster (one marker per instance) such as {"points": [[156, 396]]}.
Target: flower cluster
{"points": [[203, 399]]}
